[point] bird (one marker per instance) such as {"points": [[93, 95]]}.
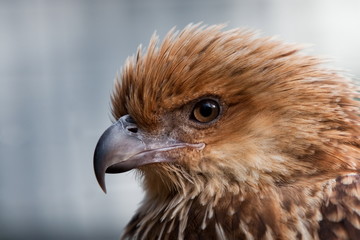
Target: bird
{"points": [[235, 135]]}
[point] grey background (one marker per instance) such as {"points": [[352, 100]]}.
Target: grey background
{"points": [[58, 60]]}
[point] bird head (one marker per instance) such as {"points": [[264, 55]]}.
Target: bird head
{"points": [[210, 110]]}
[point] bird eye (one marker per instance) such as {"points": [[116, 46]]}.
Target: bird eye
{"points": [[205, 111]]}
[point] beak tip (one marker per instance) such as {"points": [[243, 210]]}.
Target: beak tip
{"points": [[100, 177], [101, 180]]}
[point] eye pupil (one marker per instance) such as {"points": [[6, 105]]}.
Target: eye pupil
{"points": [[205, 111]]}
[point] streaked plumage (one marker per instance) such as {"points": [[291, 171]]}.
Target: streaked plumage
{"points": [[236, 137]]}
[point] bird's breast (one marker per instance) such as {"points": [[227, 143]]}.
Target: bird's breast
{"points": [[274, 214]]}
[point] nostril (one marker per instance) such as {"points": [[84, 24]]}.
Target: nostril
{"points": [[132, 129]]}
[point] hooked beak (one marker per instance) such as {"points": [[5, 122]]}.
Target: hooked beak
{"points": [[123, 147]]}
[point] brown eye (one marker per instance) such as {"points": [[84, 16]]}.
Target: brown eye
{"points": [[205, 111]]}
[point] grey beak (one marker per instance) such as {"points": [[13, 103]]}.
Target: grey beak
{"points": [[123, 147], [117, 144]]}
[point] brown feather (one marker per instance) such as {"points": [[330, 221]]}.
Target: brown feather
{"points": [[341, 210], [289, 127]]}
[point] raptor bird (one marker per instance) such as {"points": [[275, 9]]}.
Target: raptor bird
{"points": [[235, 136]]}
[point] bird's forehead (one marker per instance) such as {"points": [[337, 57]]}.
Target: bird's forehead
{"points": [[184, 67]]}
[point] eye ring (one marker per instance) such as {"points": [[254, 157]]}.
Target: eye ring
{"points": [[205, 111]]}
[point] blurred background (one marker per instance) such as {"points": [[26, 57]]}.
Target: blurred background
{"points": [[58, 60]]}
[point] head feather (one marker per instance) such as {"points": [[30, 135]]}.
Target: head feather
{"points": [[286, 115]]}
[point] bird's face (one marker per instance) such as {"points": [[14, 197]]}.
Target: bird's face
{"points": [[218, 107]]}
